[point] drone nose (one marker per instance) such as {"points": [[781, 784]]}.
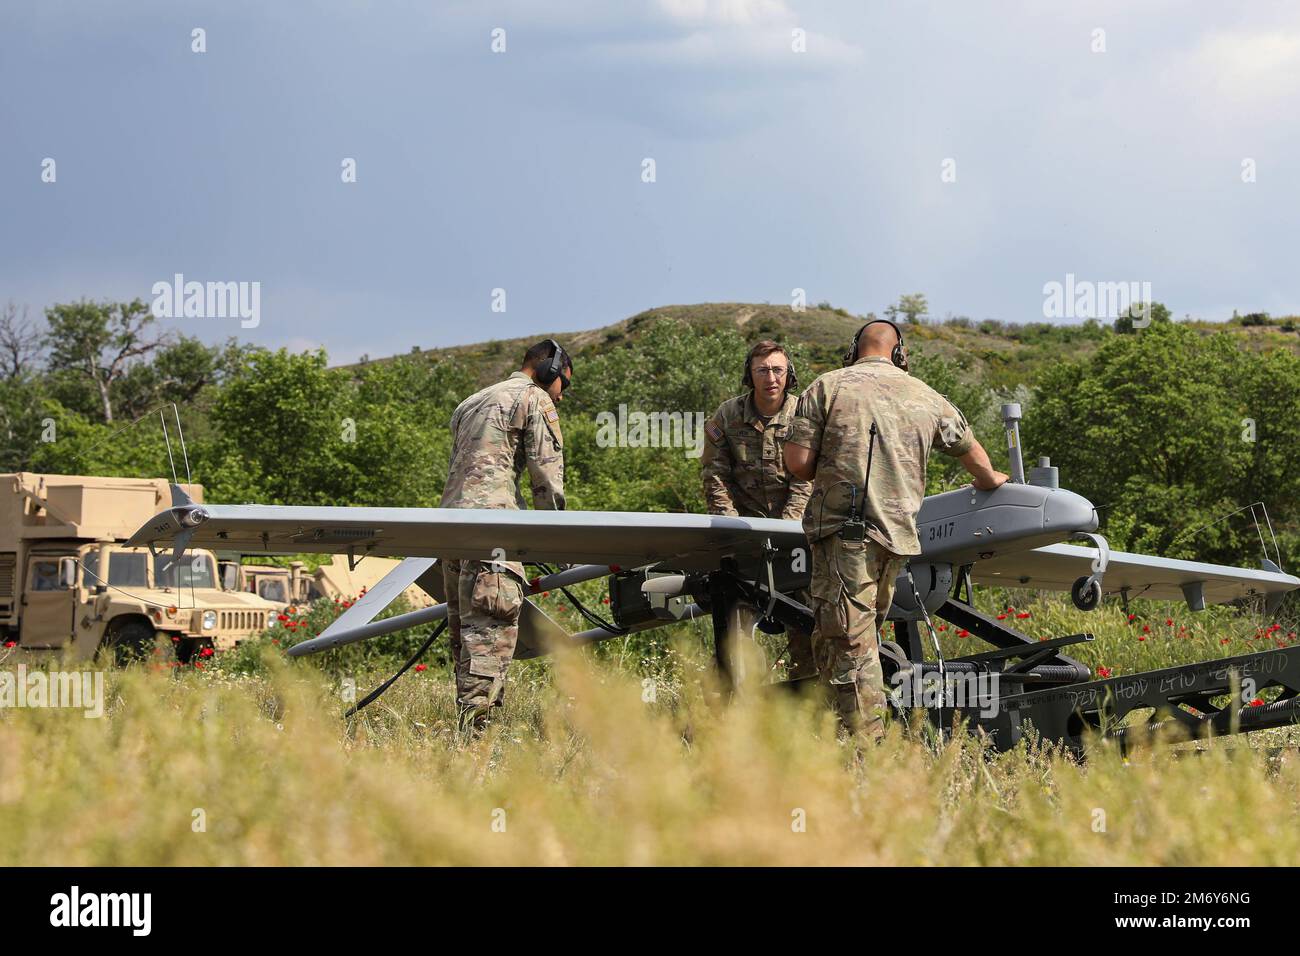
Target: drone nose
{"points": [[1066, 511]]}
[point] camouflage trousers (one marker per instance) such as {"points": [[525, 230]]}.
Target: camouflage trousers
{"points": [[852, 588], [483, 604]]}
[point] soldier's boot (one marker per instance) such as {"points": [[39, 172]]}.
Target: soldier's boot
{"points": [[471, 721], [859, 701]]}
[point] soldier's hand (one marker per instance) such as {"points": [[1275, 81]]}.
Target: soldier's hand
{"points": [[993, 479]]}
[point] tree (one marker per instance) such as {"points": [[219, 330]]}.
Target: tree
{"points": [[20, 342], [912, 307], [99, 341], [1171, 430], [1158, 315], [179, 373]]}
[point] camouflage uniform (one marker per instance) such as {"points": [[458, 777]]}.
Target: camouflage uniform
{"points": [[744, 473], [496, 433], [853, 581]]}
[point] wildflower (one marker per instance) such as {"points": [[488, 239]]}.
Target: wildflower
{"points": [[1142, 637], [206, 652], [1256, 703], [420, 668], [1169, 622], [1132, 618], [1023, 614], [1002, 617], [963, 633], [11, 643], [1226, 639], [1103, 672], [1146, 628]]}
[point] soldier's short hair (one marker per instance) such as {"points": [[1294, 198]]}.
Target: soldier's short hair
{"points": [[539, 353], [761, 350]]}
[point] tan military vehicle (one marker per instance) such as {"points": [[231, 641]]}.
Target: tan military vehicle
{"points": [[68, 585], [296, 587]]}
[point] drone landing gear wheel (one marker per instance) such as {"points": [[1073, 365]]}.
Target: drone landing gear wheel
{"points": [[1086, 593]]}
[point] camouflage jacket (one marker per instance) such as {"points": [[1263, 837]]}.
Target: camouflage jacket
{"points": [[498, 432], [743, 465], [834, 420]]}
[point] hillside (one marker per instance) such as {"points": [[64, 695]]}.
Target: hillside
{"points": [[993, 353]]}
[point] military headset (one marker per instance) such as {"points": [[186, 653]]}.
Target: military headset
{"points": [[899, 354], [553, 367]]}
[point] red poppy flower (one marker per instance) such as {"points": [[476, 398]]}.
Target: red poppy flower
{"points": [[1142, 637], [1256, 703], [1103, 671], [421, 667], [11, 643], [963, 633], [1023, 614]]}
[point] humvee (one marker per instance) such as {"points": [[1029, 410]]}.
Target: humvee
{"points": [[295, 587], [67, 585]]}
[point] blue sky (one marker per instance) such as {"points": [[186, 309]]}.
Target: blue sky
{"points": [[522, 170]]}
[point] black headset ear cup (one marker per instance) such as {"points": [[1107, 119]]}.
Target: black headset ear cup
{"points": [[548, 373]]}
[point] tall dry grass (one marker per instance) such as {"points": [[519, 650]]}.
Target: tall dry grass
{"points": [[583, 768]]}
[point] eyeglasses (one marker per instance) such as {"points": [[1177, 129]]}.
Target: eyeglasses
{"points": [[776, 371]]}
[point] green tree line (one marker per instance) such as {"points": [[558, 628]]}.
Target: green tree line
{"points": [[1165, 429]]}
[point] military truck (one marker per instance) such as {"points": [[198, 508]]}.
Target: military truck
{"points": [[68, 585], [294, 586]]}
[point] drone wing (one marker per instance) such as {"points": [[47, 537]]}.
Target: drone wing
{"points": [[1056, 568], [628, 539]]}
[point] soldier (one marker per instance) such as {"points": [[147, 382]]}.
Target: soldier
{"points": [[743, 466], [496, 433], [870, 411]]}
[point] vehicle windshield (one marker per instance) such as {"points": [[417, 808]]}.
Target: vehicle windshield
{"points": [[195, 571], [126, 570], [273, 589]]}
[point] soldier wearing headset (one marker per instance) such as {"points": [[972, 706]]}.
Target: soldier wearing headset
{"points": [[863, 434], [744, 473], [497, 433]]}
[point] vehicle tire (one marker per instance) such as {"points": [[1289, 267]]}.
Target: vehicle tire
{"points": [[130, 642], [1085, 593]]}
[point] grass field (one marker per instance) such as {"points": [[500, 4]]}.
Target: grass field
{"points": [[622, 755]]}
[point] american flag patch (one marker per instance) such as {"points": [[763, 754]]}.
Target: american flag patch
{"points": [[714, 433], [552, 415]]}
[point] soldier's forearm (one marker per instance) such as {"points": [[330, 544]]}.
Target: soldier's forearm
{"points": [[976, 461]]}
